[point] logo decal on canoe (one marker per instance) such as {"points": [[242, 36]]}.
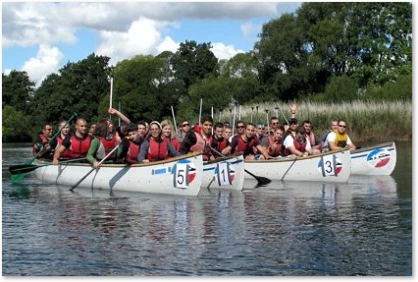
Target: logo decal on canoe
{"points": [[184, 172], [378, 157], [224, 173], [330, 165]]}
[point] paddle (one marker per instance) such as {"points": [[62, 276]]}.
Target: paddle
{"points": [[16, 178], [85, 176], [260, 180], [25, 168]]}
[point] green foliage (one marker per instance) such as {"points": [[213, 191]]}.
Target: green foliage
{"points": [[14, 125], [399, 90], [17, 90]]}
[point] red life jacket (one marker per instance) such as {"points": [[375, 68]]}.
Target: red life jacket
{"points": [[79, 147], [64, 154], [176, 143], [157, 150], [108, 146], [221, 144], [44, 142], [133, 151], [245, 147], [201, 144], [278, 150], [300, 147]]}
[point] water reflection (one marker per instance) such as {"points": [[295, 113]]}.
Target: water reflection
{"points": [[362, 227]]}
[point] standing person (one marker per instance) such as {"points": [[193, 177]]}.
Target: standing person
{"points": [[199, 139], [76, 145], [44, 144], [219, 142], [154, 148], [129, 149], [247, 143], [169, 135], [297, 145], [65, 131], [339, 139], [101, 145], [316, 143]]}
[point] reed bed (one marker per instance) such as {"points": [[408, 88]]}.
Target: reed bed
{"points": [[377, 121]]}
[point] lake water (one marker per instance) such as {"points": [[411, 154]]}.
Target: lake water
{"points": [[363, 227]]}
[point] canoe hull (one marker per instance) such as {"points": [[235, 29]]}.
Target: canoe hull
{"points": [[226, 174], [177, 176], [326, 167], [375, 160]]}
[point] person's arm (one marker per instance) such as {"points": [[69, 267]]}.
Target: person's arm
{"points": [[172, 152], [331, 142], [350, 144], [263, 151], [228, 149], [143, 152], [123, 149], [58, 153], [94, 146], [120, 115]]}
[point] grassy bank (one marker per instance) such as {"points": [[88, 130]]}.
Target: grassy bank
{"points": [[367, 121]]}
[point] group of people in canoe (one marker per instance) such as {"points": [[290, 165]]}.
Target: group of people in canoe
{"points": [[148, 142]]}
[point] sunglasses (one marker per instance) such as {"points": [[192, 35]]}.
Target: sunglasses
{"points": [[275, 123], [240, 126], [186, 124], [48, 129], [342, 126]]}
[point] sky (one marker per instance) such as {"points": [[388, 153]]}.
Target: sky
{"points": [[41, 37]]}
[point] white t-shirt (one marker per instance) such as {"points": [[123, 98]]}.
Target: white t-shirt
{"points": [[288, 142], [331, 138]]}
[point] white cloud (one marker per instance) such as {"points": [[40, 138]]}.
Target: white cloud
{"points": [[168, 44], [250, 30], [46, 62], [142, 37], [223, 52]]}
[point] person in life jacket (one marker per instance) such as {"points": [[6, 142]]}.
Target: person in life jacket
{"points": [[274, 143], [316, 143], [199, 139], [155, 148], [44, 146], [102, 144], [247, 144], [128, 151], [75, 145], [339, 139], [218, 141], [169, 135], [65, 131], [326, 132], [297, 145]]}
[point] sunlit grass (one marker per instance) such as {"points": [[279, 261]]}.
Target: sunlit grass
{"points": [[367, 121]]}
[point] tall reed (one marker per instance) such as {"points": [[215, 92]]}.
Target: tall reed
{"points": [[376, 121]]}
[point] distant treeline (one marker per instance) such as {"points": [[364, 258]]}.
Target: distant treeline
{"points": [[331, 54]]}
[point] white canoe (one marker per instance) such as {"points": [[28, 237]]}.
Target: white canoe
{"points": [[176, 176], [374, 160], [226, 173], [326, 167]]}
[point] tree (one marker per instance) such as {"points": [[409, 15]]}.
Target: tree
{"points": [[17, 90]]}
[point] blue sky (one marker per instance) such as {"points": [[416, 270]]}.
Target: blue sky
{"points": [[41, 37]]}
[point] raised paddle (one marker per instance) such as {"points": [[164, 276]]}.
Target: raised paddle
{"points": [[260, 180], [16, 178], [25, 168], [85, 176]]}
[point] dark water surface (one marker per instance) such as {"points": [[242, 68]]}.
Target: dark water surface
{"points": [[363, 227]]}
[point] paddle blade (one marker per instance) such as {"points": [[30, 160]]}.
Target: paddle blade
{"points": [[17, 178], [262, 181], [18, 169]]}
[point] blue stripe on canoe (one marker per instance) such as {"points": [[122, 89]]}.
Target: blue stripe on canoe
{"points": [[210, 168], [360, 156]]}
